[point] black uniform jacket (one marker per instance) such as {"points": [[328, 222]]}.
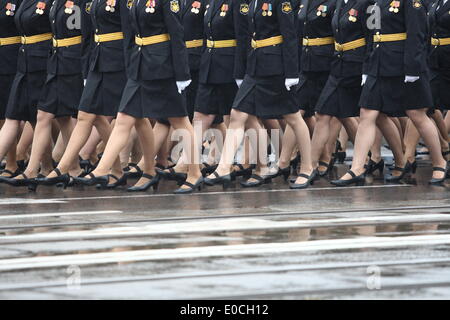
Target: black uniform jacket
{"points": [[66, 60], [439, 21], [193, 29], [400, 58], [33, 57], [111, 56], [224, 65], [311, 26], [8, 53], [346, 29], [276, 60], [162, 60]]}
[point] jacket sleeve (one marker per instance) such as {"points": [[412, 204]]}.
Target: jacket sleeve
{"points": [[128, 35], [288, 30], [87, 36], [365, 14], [173, 23], [240, 19], [416, 29]]}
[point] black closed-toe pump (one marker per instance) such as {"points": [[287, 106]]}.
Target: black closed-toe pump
{"points": [[191, 187], [329, 167], [208, 169], [373, 167], [439, 182], [259, 181], [225, 181], [63, 179], [122, 181], [309, 182], [92, 180], [358, 180], [153, 182], [403, 172], [133, 175], [244, 172], [20, 182], [171, 174]]}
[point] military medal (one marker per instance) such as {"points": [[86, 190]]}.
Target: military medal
{"points": [[110, 6], [352, 15], [69, 7], [394, 6], [151, 4], [224, 10], [322, 11], [269, 13], [10, 8], [40, 7], [265, 8], [196, 5]]}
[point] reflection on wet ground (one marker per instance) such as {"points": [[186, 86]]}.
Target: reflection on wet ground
{"points": [[321, 243]]}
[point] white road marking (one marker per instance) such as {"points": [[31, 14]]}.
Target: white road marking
{"points": [[220, 225], [218, 251], [9, 201], [57, 214], [239, 191]]}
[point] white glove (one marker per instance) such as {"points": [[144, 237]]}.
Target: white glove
{"points": [[239, 82], [183, 85], [84, 82], [411, 79], [290, 83], [364, 79]]}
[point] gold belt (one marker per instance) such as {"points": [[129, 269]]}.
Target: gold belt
{"points": [[194, 44], [35, 39], [108, 37], [152, 40], [317, 41], [267, 42], [440, 42], [350, 45], [66, 42], [221, 44], [10, 40], [389, 37]]}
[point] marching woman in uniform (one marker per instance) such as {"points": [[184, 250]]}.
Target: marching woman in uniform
{"points": [[32, 21], [269, 86], [9, 48], [63, 87], [397, 82], [104, 84], [159, 72], [222, 65]]}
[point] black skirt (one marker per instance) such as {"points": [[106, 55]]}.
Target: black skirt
{"points": [[440, 89], [340, 97], [6, 81], [103, 92], [215, 98], [24, 96], [266, 97], [153, 99], [309, 90], [61, 95], [392, 96]]}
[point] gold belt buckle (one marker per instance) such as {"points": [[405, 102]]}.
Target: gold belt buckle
{"points": [[435, 42], [254, 45], [55, 42], [305, 42], [377, 38], [96, 38], [211, 44], [23, 40], [339, 47]]}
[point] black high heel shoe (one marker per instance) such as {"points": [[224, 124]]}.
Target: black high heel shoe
{"points": [[285, 173], [225, 181], [208, 169], [404, 171], [413, 166], [243, 172], [172, 175], [329, 167], [439, 182], [20, 182], [134, 175], [11, 175], [310, 181], [260, 180], [192, 187], [152, 183], [122, 181], [86, 165], [63, 179], [93, 180], [373, 166], [358, 180]]}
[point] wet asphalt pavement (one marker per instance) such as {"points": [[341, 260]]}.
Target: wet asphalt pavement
{"points": [[376, 242]]}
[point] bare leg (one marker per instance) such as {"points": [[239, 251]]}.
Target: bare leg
{"points": [[8, 136], [320, 137], [25, 141]]}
